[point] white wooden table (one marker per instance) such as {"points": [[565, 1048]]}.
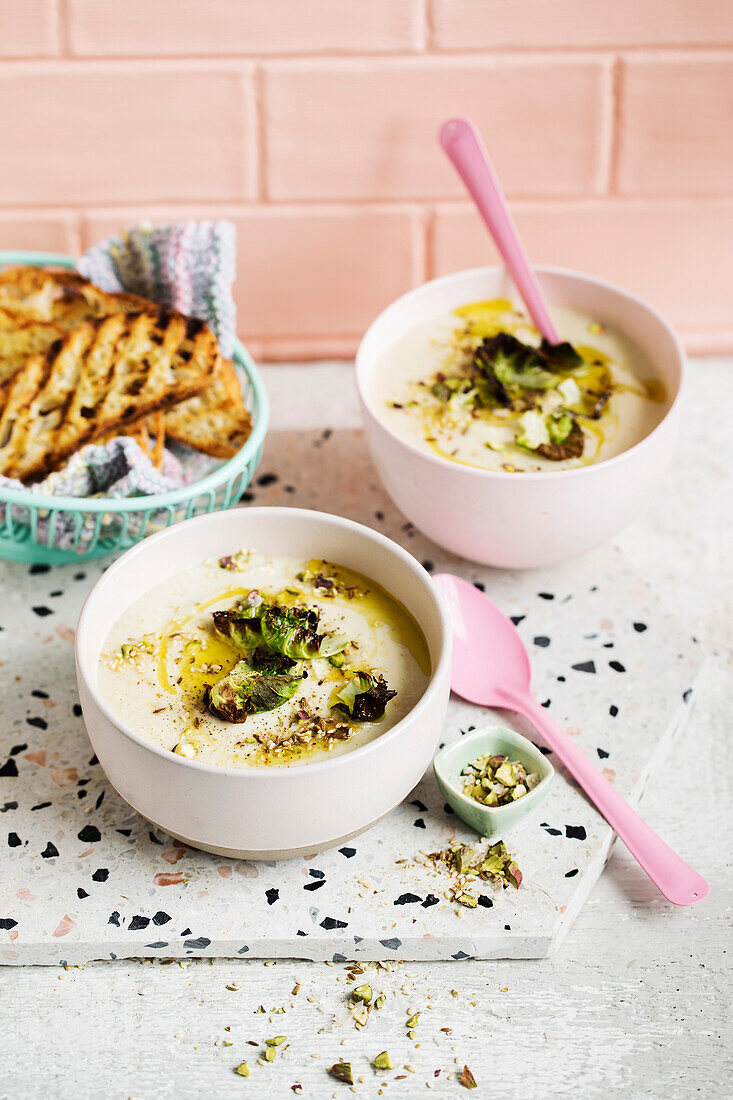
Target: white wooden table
{"points": [[637, 1000]]}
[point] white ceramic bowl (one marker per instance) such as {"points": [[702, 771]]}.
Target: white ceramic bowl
{"points": [[533, 519], [268, 813]]}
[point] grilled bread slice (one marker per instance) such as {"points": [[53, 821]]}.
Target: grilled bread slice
{"points": [[105, 374], [21, 337], [61, 296], [216, 421]]}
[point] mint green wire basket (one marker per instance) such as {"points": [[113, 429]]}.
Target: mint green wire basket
{"points": [[52, 530]]}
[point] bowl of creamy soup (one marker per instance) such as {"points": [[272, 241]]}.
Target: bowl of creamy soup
{"points": [[264, 682], [502, 447]]}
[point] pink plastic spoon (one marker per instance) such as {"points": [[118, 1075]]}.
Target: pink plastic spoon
{"points": [[464, 146], [491, 668]]}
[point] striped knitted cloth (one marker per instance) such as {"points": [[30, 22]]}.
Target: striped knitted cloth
{"points": [[189, 266]]}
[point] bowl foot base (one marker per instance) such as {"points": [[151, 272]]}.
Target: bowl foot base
{"points": [[271, 853]]}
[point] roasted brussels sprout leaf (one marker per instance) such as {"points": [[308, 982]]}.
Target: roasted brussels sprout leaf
{"points": [[264, 660], [572, 445], [244, 633], [291, 631], [556, 436], [294, 632], [364, 697], [563, 356], [247, 690], [513, 364]]}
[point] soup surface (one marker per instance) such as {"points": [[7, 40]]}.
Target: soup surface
{"points": [[476, 386], [256, 660]]}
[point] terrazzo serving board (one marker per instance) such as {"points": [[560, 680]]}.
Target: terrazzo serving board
{"points": [[83, 877]]}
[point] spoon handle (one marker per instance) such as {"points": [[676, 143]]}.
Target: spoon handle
{"points": [[679, 883], [465, 149]]}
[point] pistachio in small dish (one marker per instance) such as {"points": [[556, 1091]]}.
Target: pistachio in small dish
{"points": [[492, 778]]}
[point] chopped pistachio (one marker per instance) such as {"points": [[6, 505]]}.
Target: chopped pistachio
{"points": [[467, 899], [380, 1001], [342, 1072], [277, 1041], [454, 992], [185, 748], [242, 1069], [494, 864], [412, 1022], [270, 1054], [497, 781], [467, 1079], [362, 993], [383, 1061], [411, 1034]]}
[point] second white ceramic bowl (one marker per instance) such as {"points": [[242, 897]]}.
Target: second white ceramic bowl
{"points": [[524, 520], [277, 812]]}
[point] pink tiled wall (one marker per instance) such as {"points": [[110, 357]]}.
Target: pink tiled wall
{"points": [[311, 124]]}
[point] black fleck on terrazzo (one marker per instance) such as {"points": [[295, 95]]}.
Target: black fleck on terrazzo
{"points": [[585, 666], [42, 611], [407, 899], [602, 754], [197, 944], [330, 923], [542, 641], [272, 896], [616, 666], [613, 710], [575, 832]]}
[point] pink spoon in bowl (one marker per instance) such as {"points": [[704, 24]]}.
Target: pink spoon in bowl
{"points": [[465, 149], [491, 668]]}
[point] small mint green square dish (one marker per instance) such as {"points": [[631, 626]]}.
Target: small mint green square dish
{"points": [[493, 741]]}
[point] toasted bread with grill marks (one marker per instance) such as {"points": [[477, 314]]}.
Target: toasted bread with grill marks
{"points": [[216, 421], [62, 296], [21, 337], [105, 374]]}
